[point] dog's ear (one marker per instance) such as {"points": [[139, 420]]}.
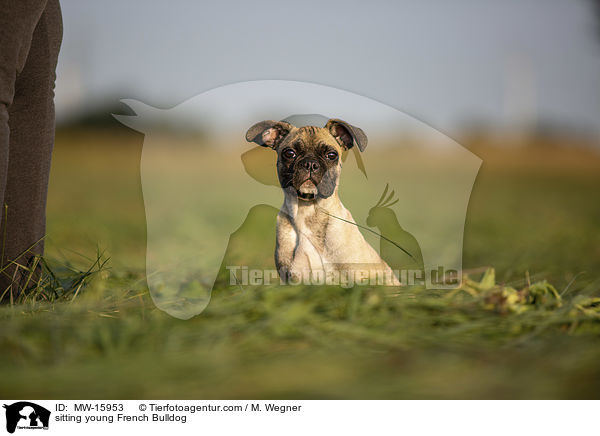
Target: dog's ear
{"points": [[346, 134], [268, 133]]}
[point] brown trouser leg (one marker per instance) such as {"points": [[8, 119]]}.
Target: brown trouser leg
{"points": [[30, 37]]}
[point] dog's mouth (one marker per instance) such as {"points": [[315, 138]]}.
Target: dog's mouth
{"points": [[307, 190], [306, 196]]}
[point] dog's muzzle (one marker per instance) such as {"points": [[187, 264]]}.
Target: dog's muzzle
{"points": [[307, 190]]}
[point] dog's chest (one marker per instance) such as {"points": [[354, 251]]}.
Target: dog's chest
{"points": [[320, 237], [312, 228]]}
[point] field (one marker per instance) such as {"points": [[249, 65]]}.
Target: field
{"points": [[530, 331]]}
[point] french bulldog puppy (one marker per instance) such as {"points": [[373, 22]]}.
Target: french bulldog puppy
{"points": [[316, 235]]}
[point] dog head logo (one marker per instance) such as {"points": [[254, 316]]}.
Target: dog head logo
{"points": [[200, 194], [26, 415]]}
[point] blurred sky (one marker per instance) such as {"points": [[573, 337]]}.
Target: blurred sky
{"points": [[449, 63]]}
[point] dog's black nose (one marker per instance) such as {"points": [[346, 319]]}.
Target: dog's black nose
{"points": [[311, 165]]}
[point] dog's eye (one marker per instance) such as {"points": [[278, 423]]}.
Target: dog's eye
{"points": [[288, 153], [332, 155]]}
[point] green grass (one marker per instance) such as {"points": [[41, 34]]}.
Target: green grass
{"points": [[532, 331]]}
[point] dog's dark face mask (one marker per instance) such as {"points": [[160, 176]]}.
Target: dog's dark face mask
{"points": [[309, 162], [308, 158]]}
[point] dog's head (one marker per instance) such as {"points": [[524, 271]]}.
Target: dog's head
{"points": [[308, 158]]}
